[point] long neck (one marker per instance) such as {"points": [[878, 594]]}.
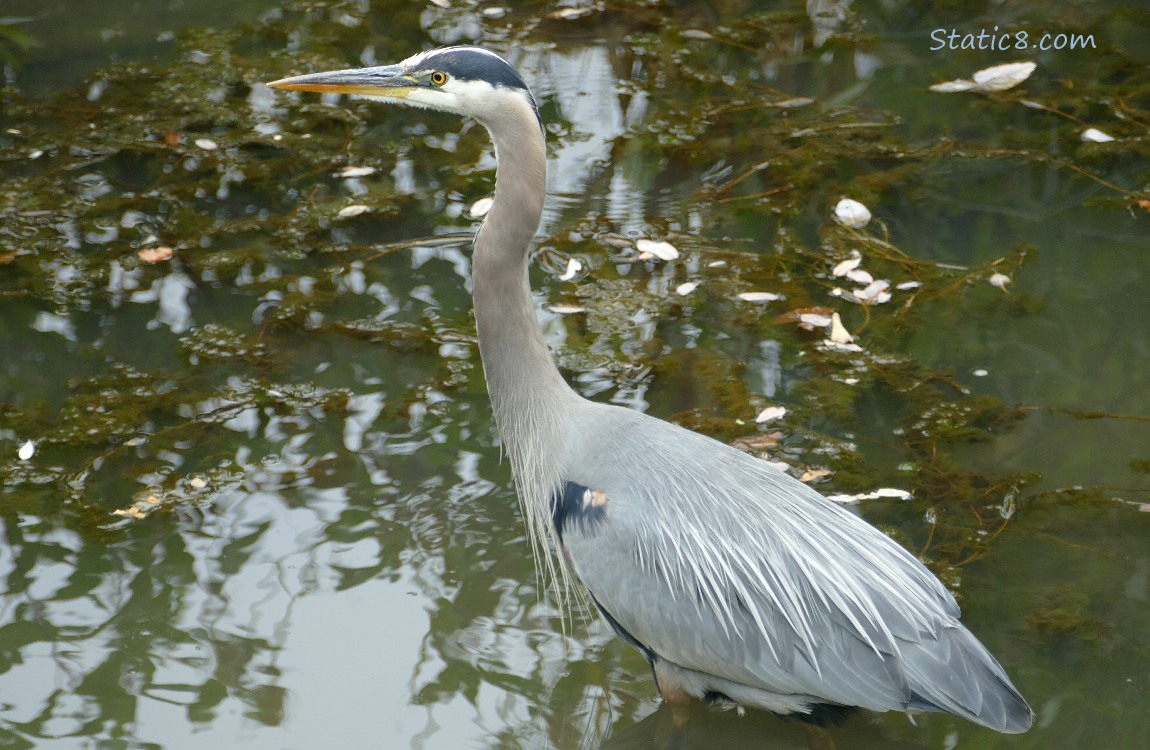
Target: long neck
{"points": [[528, 395]]}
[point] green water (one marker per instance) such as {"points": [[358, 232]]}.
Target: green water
{"points": [[266, 504]]}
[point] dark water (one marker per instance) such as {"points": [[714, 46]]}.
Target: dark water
{"points": [[266, 503]]}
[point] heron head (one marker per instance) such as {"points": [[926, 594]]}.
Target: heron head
{"points": [[468, 81]]}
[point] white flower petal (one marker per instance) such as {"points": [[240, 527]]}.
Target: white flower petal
{"points": [[850, 213], [353, 210], [661, 250], [875, 292], [1003, 77], [1000, 280], [574, 266], [207, 144], [480, 207], [859, 276], [845, 266], [814, 320], [761, 297], [994, 78], [839, 333], [770, 414], [566, 309], [908, 285], [356, 171], [1094, 135], [686, 288], [26, 451]]}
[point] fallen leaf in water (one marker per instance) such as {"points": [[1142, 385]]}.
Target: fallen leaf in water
{"points": [[758, 442], [812, 474]]}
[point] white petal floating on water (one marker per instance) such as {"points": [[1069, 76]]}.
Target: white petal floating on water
{"points": [[814, 320], [197, 482], [356, 171], [839, 333], [761, 297], [157, 254], [696, 34], [798, 101], [1094, 135], [26, 451], [207, 144], [568, 14], [770, 414], [717, 264], [908, 285], [566, 309], [886, 492], [994, 78], [980, 373], [686, 288], [846, 266], [661, 250], [837, 347], [1000, 280], [875, 293], [850, 213], [353, 210], [480, 207], [859, 276], [1003, 77], [574, 266]]}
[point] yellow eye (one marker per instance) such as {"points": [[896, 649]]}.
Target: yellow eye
{"points": [[438, 78]]}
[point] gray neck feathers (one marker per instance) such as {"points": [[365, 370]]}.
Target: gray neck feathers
{"points": [[531, 401]]}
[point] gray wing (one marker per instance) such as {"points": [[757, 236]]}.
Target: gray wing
{"points": [[721, 564]]}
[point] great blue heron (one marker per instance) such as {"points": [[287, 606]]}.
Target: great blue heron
{"points": [[735, 580]]}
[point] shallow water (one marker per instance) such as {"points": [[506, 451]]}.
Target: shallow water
{"points": [[266, 502]]}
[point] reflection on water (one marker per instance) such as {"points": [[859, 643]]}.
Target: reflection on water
{"points": [[267, 503]]}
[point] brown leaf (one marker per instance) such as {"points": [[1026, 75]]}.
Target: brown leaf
{"points": [[760, 442]]}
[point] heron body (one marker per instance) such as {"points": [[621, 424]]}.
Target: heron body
{"points": [[734, 579]]}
